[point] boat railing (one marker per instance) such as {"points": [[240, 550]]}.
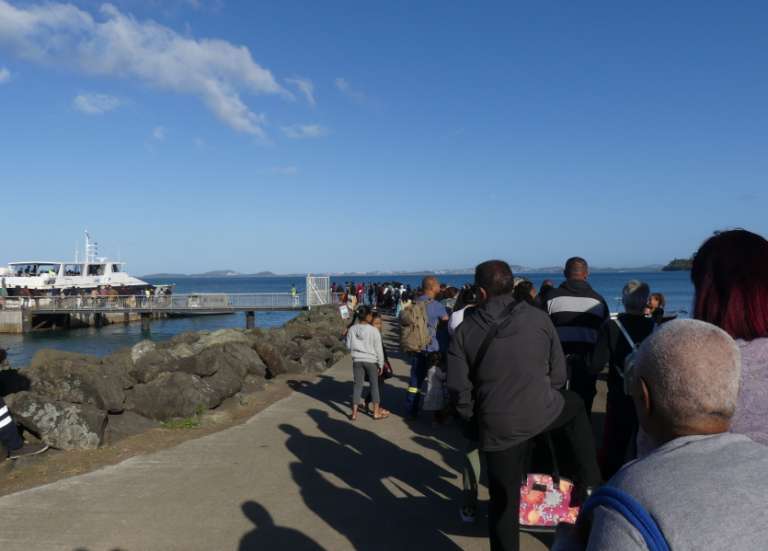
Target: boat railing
{"points": [[176, 302]]}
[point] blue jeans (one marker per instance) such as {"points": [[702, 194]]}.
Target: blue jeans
{"points": [[419, 370]]}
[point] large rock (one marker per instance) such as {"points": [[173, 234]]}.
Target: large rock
{"points": [[127, 424], [172, 395], [271, 357], [59, 424], [315, 361], [78, 379], [237, 355], [226, 382]]}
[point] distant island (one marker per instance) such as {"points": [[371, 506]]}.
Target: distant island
{"points": [[214, 273], [679, 265], [517, 269]]}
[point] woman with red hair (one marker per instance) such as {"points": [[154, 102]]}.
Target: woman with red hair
{"points": [[730, 274]]}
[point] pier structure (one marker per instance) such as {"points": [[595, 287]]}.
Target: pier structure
{"points": [[25, 314]]}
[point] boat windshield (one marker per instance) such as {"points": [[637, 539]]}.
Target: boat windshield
{"points": [[116, 268], [32, 270], [96, 269]]}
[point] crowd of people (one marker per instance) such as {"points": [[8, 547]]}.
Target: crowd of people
{"points": [[686, 406]]}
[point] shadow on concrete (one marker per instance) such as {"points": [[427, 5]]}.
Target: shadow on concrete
{"points": [[267, 535], [376, 494]]}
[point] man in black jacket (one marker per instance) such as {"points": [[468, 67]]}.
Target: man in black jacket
{"points": [[578, 313], [515, 393]]}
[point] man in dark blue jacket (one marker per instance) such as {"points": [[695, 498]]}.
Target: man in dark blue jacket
{"points": [[578, 312]]}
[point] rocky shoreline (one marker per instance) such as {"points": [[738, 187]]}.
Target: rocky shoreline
{"points": [[75, 401]]}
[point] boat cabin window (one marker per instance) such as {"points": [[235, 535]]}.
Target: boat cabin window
{"points": [[32, 270], [116, 268], [73, 269], [96, 269]]}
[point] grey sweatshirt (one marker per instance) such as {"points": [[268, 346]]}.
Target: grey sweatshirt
{"points": [[705, 492], [364, 342], [752, 409]]}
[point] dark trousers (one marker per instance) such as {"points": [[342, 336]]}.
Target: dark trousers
{"points": [[505, 472], [618, 434], [9, 434], [419, 368], [582, 382]]}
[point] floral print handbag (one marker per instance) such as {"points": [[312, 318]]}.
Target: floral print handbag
{"points": [[545, 499]]}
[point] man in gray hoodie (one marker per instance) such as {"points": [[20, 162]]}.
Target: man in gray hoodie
{"points": [[515, 393]]}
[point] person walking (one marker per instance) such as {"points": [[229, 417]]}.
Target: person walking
{"points": [[506, 374], [578, 313], [435, 315], [364, 342]]}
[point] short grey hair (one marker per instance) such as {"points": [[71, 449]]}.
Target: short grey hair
{"points": [[635, 296], [692, 370]]}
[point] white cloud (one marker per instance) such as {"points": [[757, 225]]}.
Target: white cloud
{"points": [[304, 86], [299, 131], [345, 88], [118, 45], [342, 84], [95, 104], [5, 75], [285, 170], [158, 133]]}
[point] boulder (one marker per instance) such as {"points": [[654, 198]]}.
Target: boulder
{"points": [[224, 336], [315, 361], [127, 424], [337, 356], [170, 395], [189, 337], [150, 360], [271, 356], [237, 355], [293, 366], [78, 379], [59, 424], [226, 382]]}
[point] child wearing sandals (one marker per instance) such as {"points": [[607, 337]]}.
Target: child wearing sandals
{"points": [[364, 342]]}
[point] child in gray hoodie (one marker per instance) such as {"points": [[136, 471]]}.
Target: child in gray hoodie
{"points": [[364, 342]]}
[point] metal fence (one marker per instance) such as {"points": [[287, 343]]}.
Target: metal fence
{"points": [[170, 303]]}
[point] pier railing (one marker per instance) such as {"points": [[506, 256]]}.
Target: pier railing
{"points": [[208, 302]]}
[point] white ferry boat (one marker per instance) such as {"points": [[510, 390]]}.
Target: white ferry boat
{"points": [[55, 277]]}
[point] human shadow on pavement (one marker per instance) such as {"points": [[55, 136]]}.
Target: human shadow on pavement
{"points": [[267, 535], [376, 494], [338, 394]]}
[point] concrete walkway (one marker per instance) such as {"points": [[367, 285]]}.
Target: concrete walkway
{"points": [[298, 475]]}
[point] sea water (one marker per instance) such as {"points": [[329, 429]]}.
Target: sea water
{"points": [[676, 287]]}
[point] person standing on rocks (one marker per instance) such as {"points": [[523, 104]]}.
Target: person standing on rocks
{"points": [[364, 342], [11, 444]]}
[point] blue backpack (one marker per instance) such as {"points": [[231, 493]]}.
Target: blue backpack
{"points": [[630, 509]]}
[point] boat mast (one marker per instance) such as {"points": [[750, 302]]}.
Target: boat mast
{"points": [[91, 249]]}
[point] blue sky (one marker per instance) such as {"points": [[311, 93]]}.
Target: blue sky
{"points": [[327, 136]]}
